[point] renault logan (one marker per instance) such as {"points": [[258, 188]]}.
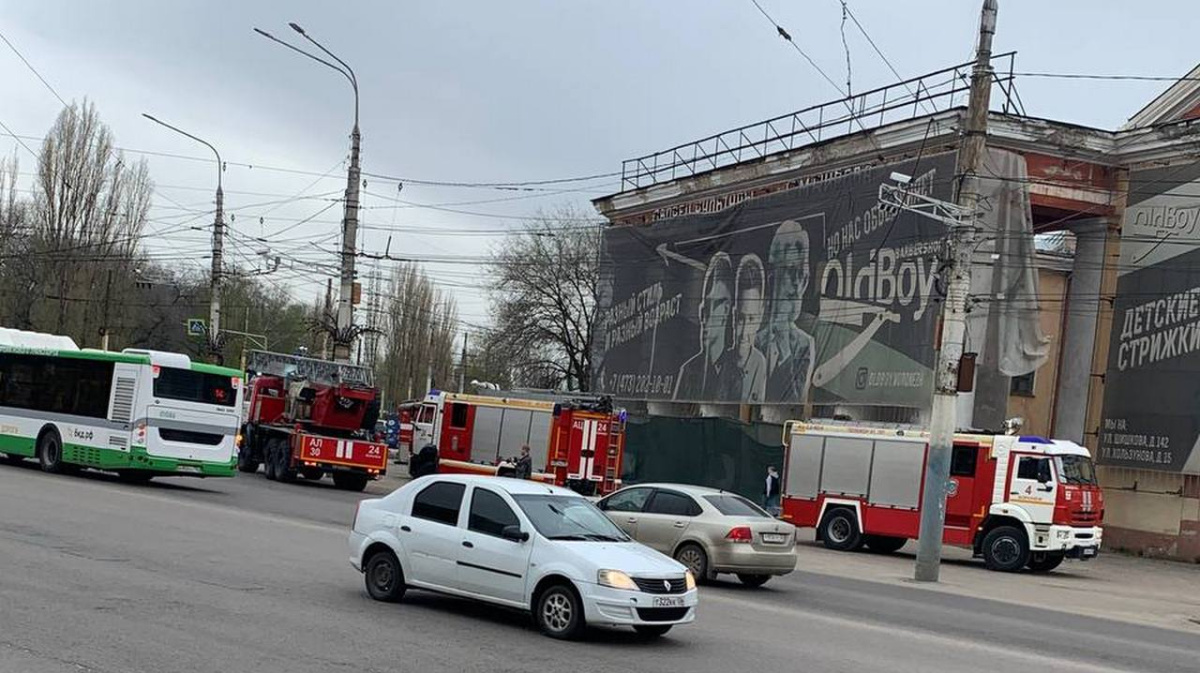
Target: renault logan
{"points": [[538, 548]]}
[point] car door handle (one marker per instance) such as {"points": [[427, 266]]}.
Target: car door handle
{"points": [[468, 545], [631, 520], [406, 529], [681, 524]]}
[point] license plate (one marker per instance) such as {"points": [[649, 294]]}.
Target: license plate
{"points": [[1089, 552], [775, 538], [668, 602], [188, 468]]}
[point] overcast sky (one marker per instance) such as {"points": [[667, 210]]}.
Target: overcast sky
{"points": [[485, 91]]}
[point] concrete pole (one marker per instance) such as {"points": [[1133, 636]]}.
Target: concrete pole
{"points": [[1079, 338], [462, 372], [218, 252], [962, 240], [345, 312]]}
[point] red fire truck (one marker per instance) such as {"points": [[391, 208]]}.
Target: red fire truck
{"points": [[574, 442], [309, 417], [1016, 501]]}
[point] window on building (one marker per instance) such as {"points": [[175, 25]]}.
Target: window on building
{"points": [[1022, 385]]}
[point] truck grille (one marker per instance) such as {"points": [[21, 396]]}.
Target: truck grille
{"points": [[662, 614], [676, 585]]}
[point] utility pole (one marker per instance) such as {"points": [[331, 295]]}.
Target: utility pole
{"points": [[104, 330], [961, 246], [343, 341], [218, 249]]}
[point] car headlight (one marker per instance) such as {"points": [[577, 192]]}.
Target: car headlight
{"points": [[616, 579], [691, 580]]}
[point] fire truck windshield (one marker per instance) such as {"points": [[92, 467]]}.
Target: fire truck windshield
{"points": [[1076, 470], [564, 517]]}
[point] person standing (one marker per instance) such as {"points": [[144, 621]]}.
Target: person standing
{"points": [[524, 468], [771, 492]]}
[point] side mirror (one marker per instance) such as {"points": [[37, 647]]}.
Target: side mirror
{"points": [[602, 505], [514, 534]]}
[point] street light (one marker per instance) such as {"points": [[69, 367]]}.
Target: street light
{"points": [[218, 245], [344, 337]]}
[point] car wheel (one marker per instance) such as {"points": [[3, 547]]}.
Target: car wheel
{"points": [[753, 580], [50, 453], [692, 556], [1005, 549], [650, 631], [1044, 562], [883, 544], [384, 577], [839, 530], [559, 613]]}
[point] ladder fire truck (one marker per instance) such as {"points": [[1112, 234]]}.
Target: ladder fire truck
{"points": [[574, 442], [309, 417], [1016, 501]]}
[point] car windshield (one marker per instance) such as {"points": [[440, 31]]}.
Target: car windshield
{"points": [[1076, 470], [735, 505], [565, 517]]}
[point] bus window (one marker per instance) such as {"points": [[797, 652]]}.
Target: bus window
{"points": [[189, 386]]}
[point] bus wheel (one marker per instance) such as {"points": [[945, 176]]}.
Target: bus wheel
{"points": [[50, 453], [349, 481]]}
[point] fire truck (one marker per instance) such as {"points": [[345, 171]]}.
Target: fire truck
{"points": [[307, 418], [574, 442], [1016, 501]]}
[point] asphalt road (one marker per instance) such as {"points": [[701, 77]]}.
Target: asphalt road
{"points": [[249, 575]]}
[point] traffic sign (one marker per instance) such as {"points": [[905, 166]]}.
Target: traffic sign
{"points": [[197, 327]]}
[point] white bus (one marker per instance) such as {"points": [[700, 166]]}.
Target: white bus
{"points": [[138, 413]]}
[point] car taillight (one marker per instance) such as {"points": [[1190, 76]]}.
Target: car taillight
{"points": [[740, 534]]}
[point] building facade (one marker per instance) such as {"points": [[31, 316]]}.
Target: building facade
{"points": [[756, 274]]}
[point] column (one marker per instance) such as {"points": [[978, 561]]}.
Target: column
{"points": [[1079, 340]]}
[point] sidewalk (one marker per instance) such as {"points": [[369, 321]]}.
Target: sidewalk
{"points": [[1140, 591]]}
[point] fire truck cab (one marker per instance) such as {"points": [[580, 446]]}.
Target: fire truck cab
{"points": [[573, 443], [1016, 501]]}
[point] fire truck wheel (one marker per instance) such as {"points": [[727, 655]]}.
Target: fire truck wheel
{"points": [[559, 612], [1044, 562], [693, 557], [269, 462], [283, 458], [349, 481], [312, 473], [1006, 549], [245, 462], [50, 453], [384, 577], [839, 530], [883, 544]]}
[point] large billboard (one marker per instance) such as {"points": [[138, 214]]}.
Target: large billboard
{"points": [[1152, 389], [812, 293]]}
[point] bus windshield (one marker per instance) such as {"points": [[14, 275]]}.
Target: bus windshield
{"points": [[1076, 470], [189, 386]]}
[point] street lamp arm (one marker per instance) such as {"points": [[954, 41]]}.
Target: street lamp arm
{"points": [[348, 75], [199, 140]]}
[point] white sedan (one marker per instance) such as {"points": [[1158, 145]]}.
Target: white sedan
{"points": [[538, 548]]}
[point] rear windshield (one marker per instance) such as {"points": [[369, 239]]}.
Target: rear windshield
{"points": [[735, 505], [190, 386]]}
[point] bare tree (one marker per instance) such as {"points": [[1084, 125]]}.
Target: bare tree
{"points": [[544, 305], [418, 334]]}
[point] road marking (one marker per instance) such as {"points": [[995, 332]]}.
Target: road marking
{"points": [[1038, 660]]}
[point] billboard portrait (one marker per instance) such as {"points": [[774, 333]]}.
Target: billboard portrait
{"points": [[814, 292], [1155, 341]]}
